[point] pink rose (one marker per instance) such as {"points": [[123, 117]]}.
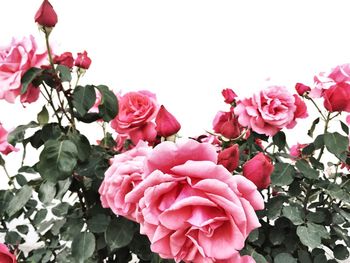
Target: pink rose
{"points": [[46, 15], [137, 110], [337, 97], [5, 255], [295, 150], [166, 123], [229, 95], [121, 177], [229, 157], [15, 60], [226, 124], [5, 147], [340, 73], [192, 209], [65, 59], [83, 61], [258, 170], [270, 110]]}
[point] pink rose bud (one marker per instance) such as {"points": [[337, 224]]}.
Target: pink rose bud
{"points": [[5, 255], [167, 124], [296, 150], [229, 158], [229, 95], [301, 88], [5, 147], [83, 61], [46, 15], [65, 59], [258, 170]]}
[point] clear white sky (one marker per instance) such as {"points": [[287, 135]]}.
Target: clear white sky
{"points": [[187, 51]]}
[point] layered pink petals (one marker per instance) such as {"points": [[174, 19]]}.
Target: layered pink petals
{"points": [[193, 209], [270, 110], [136, 111], [5, 255], [15, 60], [5, 147], [122, 176]]}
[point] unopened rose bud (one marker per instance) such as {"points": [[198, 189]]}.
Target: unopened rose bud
{"points": [[65, 59], [46, 15], [83, 61], [229, 158], [229, 95], [167, 124], [302, 89]]}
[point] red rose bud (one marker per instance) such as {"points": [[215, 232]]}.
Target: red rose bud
{"points": [[258, 170], [302, 89], [83, 61], [226, 124], [46, 15], [229, 158], [66, 59], [229, 95], [5, 255], [166, 123]]}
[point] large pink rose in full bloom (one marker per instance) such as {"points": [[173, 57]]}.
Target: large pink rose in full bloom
{"points": [[270, 110], [5, 147], [192, 209], [15, 60], [137, 110], [121, 177]]}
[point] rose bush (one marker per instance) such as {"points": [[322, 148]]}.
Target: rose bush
{"points": [[236, 194]]}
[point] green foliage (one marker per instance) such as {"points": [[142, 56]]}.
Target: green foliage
{"points": [[29, 76]]}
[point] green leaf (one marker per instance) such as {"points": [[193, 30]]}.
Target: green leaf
{"points": [[108, 107], [336, 143], [82, 144], [283, 174], [311, 234], [285, 258], [119, 233], [43, 116], [61, 209], [62, 188], [294, 214], [19, 200], [313, 126], [64, 73], [84, 98], [341, 252], [17, 135], [39, 216], [98, 223], [28, 78], [21, 180], [23, 229], [276, 236], [83, 246], [319, 141], [258, 257], [13, 238], [279, 139], [304, 256], [47, 192], [274, 207], [57, 160], [308, 172]]}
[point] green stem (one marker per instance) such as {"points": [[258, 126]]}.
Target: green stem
{"points": [[307, 196], [325, 130], [50, 101], [10, 179], [48, 48], [318, 109]]}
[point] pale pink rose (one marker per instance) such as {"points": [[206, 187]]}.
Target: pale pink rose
{"points": [[192, 209], [5, 147], [121, 177], [295, 150], [15, 60], [5, 255], [137, 110], [270, 110]]}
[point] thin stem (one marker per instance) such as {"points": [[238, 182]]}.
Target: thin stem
{"points": [[318, 109], [48, 47], [10, 179], [325, 130], [307, 196], [50, 101]]}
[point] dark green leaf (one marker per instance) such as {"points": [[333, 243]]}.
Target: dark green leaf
{"points": [[108, 107], [21, 180], [276, 236], [82, 144], [28, 78], [304, 256], [304, 167], [62, 188], [313, 126], [283, 174], [61, 209], [83, 246], [64, 73], [319, 141], [19, 200], [39, 216], [84, 98], [285, 258], [98, 223], [47, 192], [341, 252], [279, 139], [119, 233], [344, 127], [23, 229], [43, 116], [274, 207], [258, 257], [57, 160], [336, 143], [13, 238], [17, 135], [294, 214], [311, 234]]}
